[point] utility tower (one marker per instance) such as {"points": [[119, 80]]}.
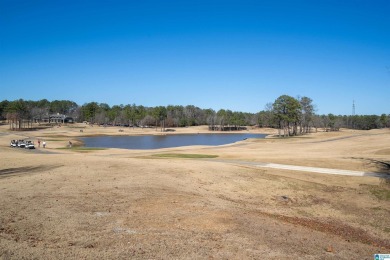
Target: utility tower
{"points": [[353, 115]]}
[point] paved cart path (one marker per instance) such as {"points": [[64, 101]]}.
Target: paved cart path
{"points": [[306, 168]]}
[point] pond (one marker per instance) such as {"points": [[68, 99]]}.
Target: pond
{"points": [[165, 141]]}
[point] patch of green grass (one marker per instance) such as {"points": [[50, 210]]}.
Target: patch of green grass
{"points": [[382, 194], [184, 155]]}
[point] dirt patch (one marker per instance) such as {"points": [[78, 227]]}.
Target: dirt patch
{"points": [[337, 228]]}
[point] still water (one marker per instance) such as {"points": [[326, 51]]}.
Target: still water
{"points": [[164, 141]]}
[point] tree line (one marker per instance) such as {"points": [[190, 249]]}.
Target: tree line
{"points": [[297, 115], [292, 116]]}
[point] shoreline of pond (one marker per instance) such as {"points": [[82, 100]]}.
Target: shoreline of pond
{"points": [[160, 141]]}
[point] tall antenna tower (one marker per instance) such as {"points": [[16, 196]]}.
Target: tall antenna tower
{"points": [[353, 107]]}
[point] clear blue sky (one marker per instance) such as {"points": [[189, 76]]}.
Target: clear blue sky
{"points": [[237, 55]]}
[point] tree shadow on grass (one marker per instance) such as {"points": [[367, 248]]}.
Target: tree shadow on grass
{"points": [[26, 170], [383, 169]]}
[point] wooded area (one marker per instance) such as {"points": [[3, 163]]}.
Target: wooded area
{"points": [[291, 115]]}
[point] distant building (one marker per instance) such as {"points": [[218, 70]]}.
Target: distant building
{"points": [[55, 118]]}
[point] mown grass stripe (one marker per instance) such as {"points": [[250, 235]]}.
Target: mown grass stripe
{"points": [[184, 155]]}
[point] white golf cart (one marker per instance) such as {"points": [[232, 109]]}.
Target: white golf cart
{"points": [[29, 145]]}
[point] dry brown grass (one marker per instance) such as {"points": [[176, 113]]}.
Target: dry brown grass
{"points": [[118, 204]]}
